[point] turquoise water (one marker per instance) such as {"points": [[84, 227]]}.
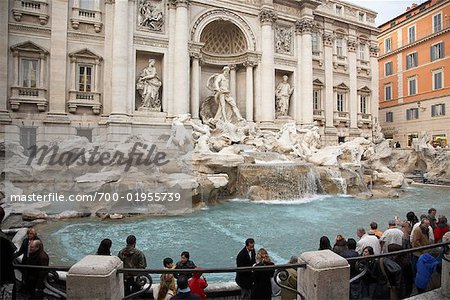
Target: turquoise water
{"points": [[215, 235]]}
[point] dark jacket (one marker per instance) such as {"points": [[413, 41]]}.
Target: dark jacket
{"points": [[132, 258], [7, 249], [262, 286], [187, 265], [244, 279], [24, 250], [34, 278], [187, 296]]}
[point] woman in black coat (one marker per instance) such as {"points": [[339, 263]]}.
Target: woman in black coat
{"points": [[262, 286]]}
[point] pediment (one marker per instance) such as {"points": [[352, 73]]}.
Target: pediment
{"points": [[85, 53], [317, 82], [28, 47], [364, 89], [341, 86]]}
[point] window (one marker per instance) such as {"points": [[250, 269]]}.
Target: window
{"points": [[412, 113], [29, 73], [412, 86], [362, 52], [387, 45], [412, 34], [339, 50], [87, 4], [438, 110], [316, 100], [27, 138], [361, 17], [411, 60], [363, 104], [438, 77], [437, 22], [339, 10], [340, 102], [388, 92], [315, 42], [388, 68], [84, 78], [437, 51], [85, 132], [389, 117]]}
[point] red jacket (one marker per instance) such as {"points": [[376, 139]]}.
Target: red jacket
{"points": [[198, 285], [439, 232]]}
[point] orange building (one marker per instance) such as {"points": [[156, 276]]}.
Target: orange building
{"points": [[414, 74]]}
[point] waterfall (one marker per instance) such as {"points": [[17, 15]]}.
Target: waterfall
{"points": [[336, 177]]}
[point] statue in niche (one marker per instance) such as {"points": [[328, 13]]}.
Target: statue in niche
{"points": [[283, 93], [149, 16], [148, 86], [227, 110]]}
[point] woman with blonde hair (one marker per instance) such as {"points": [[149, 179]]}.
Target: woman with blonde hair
{"points": [[262, 287]]}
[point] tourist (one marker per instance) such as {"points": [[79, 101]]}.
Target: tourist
{"points": [[262, 286], [197, 284], [184, 263], [246, 258], [420, 237], [432, 217], [355, 286], [166, 288], [407, 277], [105, 247], [392, 235], [367, 240], [430, 230], [441, 228], [426, 265], [168, 264], [411, 218], [406, 229], [31, 236], [374, 230], [132, 259], [324, 243], [7, 277], [34, 278], [340, 245], [368, 282], [184, 292], [291, 281]]}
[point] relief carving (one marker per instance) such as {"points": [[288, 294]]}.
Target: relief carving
{"points": [[150, 15], [283, 40]]}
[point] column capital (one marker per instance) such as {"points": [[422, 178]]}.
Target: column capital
{"points": [[374, 50], [267, 16], [172, 4], [195, 55], [249, 63], [110, 1], [181, 2], [328, 39], [351, 45], [304, 25], [232, 67]]}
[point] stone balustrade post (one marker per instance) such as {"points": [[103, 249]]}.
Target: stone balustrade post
{"points": [[95, 277], [327, 276], [445, 279]]}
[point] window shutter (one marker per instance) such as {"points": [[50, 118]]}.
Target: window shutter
{"points": [[443, 109], [431, 53], [433, 110], [442, 49]]}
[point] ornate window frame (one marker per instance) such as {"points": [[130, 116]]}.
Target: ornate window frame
{"points": [[86, 16], [37, 8]]}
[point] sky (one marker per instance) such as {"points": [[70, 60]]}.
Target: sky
{"points": [[387, 9]]}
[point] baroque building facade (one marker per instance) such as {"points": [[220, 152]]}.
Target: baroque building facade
{"points": [[414, 75], [83, 67]]}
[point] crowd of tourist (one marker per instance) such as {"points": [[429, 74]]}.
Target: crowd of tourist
{"points": [[391, 277]]}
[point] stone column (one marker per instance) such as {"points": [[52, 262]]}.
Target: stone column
{"points": [[58, 63], [374, 105], [108, 63], [326, 276], [249, 90], [120, 65], [42, 64], [306, 70], [169, 88], [297, 103], [195, 85], [353, 102], [4, 114], [445, 279], [73, 73], [97, 74], [233, 85], [328, 101], [95, 277], [266, 103], [181, 59]]}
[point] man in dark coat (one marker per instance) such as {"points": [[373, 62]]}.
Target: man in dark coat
{"points": [[34, 278], [31, 236], [7, 249], [246, 258], [132, 259], [184, 292], [185, 263]]}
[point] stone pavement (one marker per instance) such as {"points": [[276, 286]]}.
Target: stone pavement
{"points": [[433, 295]]}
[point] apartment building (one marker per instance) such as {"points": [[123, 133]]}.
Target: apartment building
{"points": [[414, 74]]}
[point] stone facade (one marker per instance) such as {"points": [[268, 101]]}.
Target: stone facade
{"points": [[70, 67]]}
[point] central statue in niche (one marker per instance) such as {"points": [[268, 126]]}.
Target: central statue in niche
{"points": [[227, 109], [148, 85]]}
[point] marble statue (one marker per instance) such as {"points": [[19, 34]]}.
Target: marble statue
{"points": [[201, 135], [148, 86], [227, 110], [179, 137], [282, 93]]}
